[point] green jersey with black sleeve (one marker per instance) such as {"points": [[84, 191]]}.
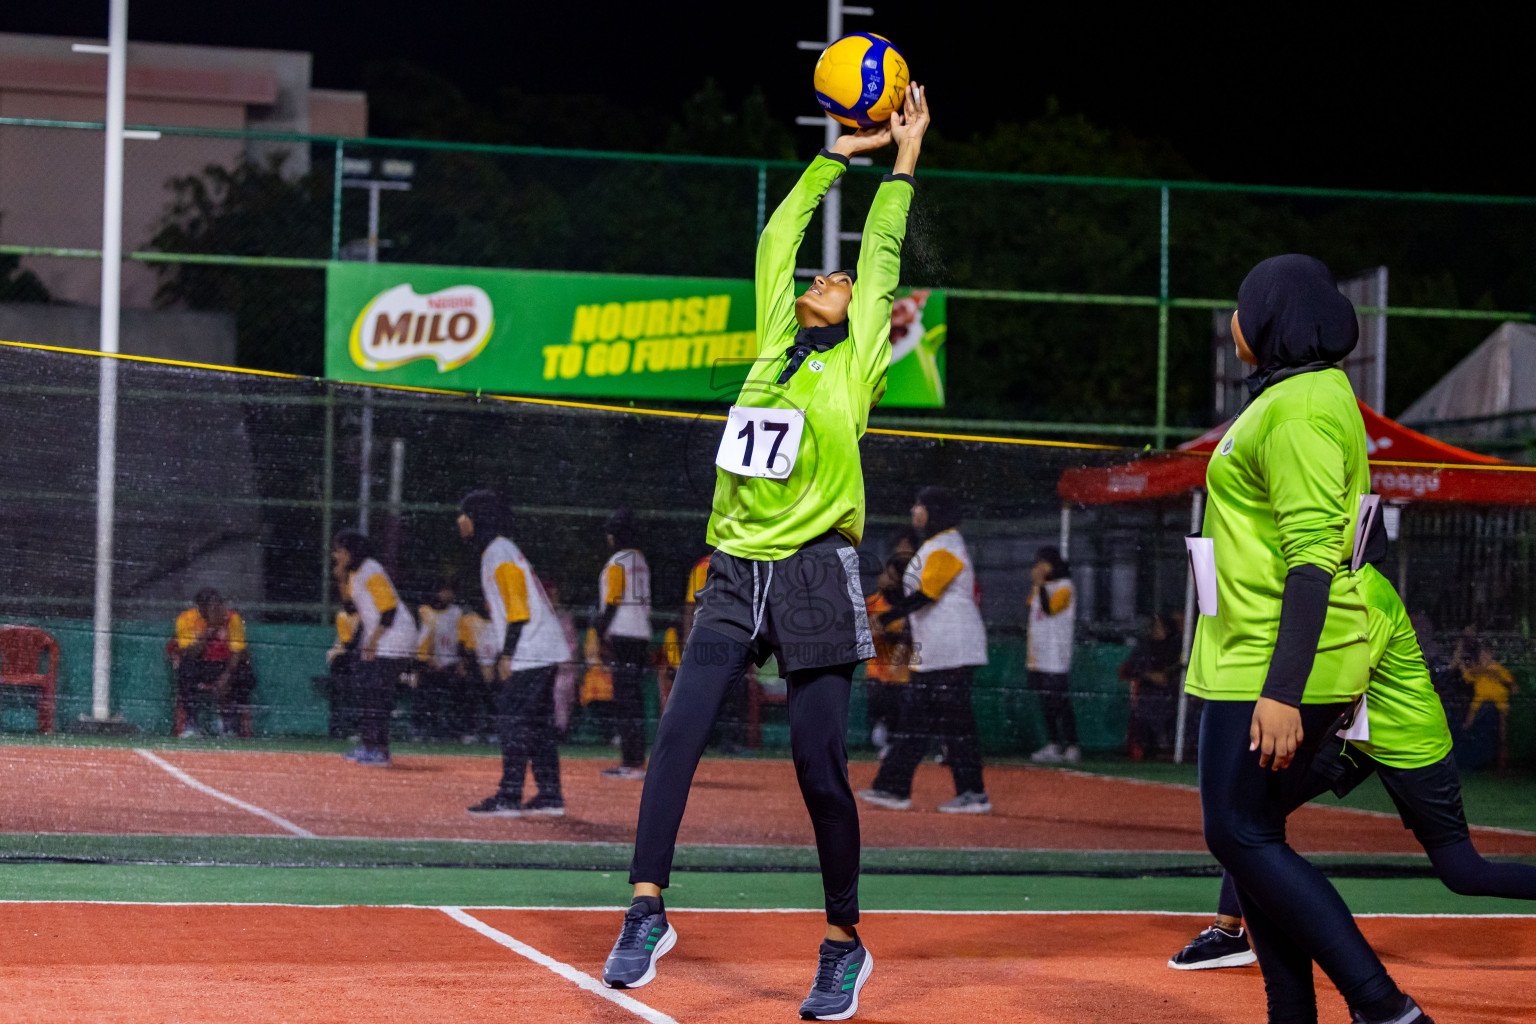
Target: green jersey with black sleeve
{"points": [[1285, 486], [766, 519], [1407, 721]]}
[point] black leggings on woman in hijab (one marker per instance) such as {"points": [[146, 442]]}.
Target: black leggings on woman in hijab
{"points": [[1293, 913]]}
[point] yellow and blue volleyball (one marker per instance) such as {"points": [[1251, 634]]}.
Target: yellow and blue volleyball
{"points": [[860, 79]]}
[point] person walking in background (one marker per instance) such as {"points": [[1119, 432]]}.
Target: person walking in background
{"points": [[437, 658], [213, 673], [1052, 615], [948, 642], [624, 627], [532, 649], [386, 647]]}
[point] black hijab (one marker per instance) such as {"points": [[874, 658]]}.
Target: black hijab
{"points": [[943, 510], [489, 514], [1294, 319]]}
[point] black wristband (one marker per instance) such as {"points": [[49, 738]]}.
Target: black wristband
{"points": [[827, 154], [1303, 611], [893, 176]]}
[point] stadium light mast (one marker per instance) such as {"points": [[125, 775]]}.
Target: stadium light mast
{"points": [[111, 303], [832, 234]]}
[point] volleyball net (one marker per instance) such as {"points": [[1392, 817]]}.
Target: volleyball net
{"points": [[234, 482]]}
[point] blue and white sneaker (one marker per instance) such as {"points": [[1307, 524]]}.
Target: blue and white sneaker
{"points": [[644, 939], [840, 976], [372, 759]]}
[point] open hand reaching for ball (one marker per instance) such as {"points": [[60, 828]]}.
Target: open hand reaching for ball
{"points": [[910, 122], [865, 140]]}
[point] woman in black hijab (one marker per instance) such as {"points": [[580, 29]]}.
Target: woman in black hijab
{"points": [[1286, 651]]}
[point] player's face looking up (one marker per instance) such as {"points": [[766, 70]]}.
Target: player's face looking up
{"points": [[825, 302], [341, 558], [1243, 351]]}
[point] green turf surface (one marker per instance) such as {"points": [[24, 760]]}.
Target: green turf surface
{"points": [[427, 886], [1500, 800]]}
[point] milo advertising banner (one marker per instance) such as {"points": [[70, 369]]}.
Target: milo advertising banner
{"points": [[589, 335]]}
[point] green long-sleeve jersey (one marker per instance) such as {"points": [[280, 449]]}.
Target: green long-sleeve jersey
{"points": [[1407, 720], [1285, 486], [767, 519]]}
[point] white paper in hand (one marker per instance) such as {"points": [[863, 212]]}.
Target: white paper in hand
{"points": [[761, 442], [1202, 562], [1361, 729], [1370, 508]]}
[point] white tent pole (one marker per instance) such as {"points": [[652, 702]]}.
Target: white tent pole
{"points": [[1196, 521], [1066, 531], [111, 301]]}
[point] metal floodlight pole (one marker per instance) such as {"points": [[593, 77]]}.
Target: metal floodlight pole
{"points": [[832, 233], [106, 409]]}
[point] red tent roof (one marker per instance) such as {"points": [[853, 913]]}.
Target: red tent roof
{"points": [[1405, 465]]}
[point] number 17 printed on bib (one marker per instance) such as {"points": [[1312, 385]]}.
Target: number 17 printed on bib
{"points": [[761, 442]]}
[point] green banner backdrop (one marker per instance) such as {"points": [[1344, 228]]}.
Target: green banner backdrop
{"points": [[589, 335]]}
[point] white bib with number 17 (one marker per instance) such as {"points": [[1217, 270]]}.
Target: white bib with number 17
{"points": [[761, 442]]}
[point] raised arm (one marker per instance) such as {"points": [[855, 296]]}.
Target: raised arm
{"points": [[869, 310], [779, 245]]}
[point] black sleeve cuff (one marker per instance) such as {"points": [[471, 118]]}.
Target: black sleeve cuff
{"points": [[829, 155], [901, 177], [1303, 612]]}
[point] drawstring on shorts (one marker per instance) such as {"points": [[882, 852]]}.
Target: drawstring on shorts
{"points": [[759, 604]]}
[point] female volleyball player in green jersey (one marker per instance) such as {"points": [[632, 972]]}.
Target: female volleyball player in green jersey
{"points": [[784, 580], [1410, 748], [1286, 651]]}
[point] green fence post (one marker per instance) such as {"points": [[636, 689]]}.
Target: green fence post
{"points": [[1161, 432], [762, 199], [327, 490], [336, 210]]}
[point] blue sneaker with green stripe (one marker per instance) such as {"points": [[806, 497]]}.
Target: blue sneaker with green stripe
{"points": [[841, 973], [644, 939]]}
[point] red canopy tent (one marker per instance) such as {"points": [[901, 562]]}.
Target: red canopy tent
{"points": [[1405, 466]]}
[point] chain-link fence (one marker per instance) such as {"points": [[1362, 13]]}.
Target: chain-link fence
{"points": [[1077, 304]]}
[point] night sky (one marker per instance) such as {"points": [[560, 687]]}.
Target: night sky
{"points": [[1258, 93]]}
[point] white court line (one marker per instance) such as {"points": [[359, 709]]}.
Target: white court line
{"points": [[616, 909], [565, 971], [260, 812]]}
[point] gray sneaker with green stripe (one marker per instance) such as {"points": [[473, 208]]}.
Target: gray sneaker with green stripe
{"points": [[840, 975], [645, 937]]}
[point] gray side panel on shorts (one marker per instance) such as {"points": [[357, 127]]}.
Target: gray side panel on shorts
{"points": [[864, 643]]}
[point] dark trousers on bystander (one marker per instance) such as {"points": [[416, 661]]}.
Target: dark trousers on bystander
{"points": [[935, 708]]}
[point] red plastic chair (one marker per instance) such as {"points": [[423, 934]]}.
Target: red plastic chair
{"points": [[22, 650]]}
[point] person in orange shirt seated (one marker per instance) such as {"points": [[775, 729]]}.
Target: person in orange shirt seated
{"points": [[213, 673], [1491, 684], [890, 667]]}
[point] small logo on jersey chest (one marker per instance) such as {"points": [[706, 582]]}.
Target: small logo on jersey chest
{"points": [[816, 365], [1226, 447]]}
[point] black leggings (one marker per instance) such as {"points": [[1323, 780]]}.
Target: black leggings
{"points": [[818, 726], [934, 706], [525, 722], [376, 683], [1293, 914], [1056, 706], [628, 700]]}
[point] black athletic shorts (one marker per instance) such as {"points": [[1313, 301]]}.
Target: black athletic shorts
{"points": [[1428, 799], [807, 609]]}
